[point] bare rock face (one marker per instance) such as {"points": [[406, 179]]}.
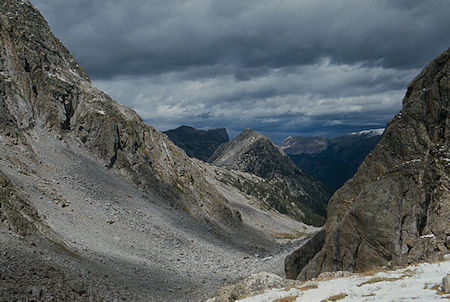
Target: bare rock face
{"points": [[396, 209], [254, 153], [446, 284], [41, 85]]}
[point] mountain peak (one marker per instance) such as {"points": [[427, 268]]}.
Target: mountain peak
{"points": [[247, 132], [230, 154], [254, 153]]}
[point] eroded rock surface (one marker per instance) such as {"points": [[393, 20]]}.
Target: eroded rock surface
{"points": [[295, 262], [41, 85], [97, 205], [396, 209]]}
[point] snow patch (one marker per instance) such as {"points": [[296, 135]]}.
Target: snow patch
{"points": [[416, 282]]}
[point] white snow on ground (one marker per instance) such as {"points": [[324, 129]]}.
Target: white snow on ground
{"points": [[414, 283]]}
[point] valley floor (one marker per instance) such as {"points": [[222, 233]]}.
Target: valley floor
{"points": [[121, 244]]}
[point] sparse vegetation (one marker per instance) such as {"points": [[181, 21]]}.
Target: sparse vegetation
{"points": [[337, 297], [293, 235], [286, 299], [380, 279], [438, 288], [276, 195], [369, 295], [308, 286], [303, 287], [406, 273]]}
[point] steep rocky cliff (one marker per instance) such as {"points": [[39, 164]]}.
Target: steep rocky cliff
{"points": [[42, 86], [396, 209], [252, 152], [332, 161], [199, 144]]}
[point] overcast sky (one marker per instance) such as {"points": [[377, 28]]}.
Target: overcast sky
{"points": [[285, 67]]}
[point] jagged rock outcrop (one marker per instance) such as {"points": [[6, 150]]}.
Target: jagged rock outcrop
{"points": [[41, 85], [332, 161], [252, 152], [396, 209], [199, 144]]}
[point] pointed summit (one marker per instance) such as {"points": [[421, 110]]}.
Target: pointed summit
{"points": [[252, 152]]}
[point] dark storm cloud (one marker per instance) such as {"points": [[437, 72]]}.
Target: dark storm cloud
{"points": [[315, 67], [144, 37]]}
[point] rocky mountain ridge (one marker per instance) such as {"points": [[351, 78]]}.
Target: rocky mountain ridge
{"points": [[55, 94], [254, 153]]}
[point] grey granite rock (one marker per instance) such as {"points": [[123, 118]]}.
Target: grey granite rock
{"points": [[446, 284], [396, 209]]}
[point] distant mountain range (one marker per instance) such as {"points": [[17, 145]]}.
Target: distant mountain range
{"points": [[199, 144], [331, 160]]}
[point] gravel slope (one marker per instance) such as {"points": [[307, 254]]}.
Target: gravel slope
{"points": [[149, 250]]}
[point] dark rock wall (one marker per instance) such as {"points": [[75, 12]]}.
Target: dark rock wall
{"points": [[396, 209]]}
